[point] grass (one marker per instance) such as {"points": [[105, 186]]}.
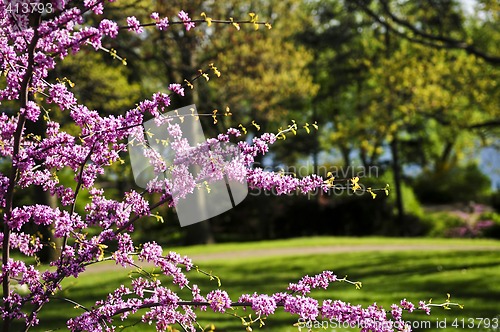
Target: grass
{"points": [[331, 241], [471, 277]]}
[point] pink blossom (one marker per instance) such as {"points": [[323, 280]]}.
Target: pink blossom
{"points": [[161, 23], [109, 28], [177, 88], [32, 111], [134, 24], [187, 21], [219, 300]]}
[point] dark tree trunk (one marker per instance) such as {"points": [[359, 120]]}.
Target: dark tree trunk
{"points": [[199, 233], [52, 246], [396, 167], [346, 152], [397, 180]]}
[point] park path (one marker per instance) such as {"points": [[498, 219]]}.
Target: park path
{"points": [[312, 250]]}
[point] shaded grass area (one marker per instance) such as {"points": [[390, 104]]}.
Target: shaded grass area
{"points": [[320, 241], [471, 277]]}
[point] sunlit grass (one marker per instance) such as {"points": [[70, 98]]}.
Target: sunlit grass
{"points": [[331, 241]]}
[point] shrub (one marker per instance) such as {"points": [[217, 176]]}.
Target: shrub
{"points": [[465, 224], [459, 184]]}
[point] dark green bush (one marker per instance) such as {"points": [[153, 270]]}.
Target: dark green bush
{"points": [[440, 223], [492, 231], [458, 184], [459, 223], [495, 200]]}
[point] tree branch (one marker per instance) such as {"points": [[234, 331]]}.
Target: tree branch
{"points": [[24, 98], [486, 124], [424, 38]]}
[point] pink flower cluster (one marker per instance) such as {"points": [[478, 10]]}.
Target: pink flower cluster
{"points": [[306, 284], [161, 23], [219, 300], [187, 21], [165, 308]]}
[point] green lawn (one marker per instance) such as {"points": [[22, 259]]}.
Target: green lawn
{"points": [[332, 241], [472, 277]]}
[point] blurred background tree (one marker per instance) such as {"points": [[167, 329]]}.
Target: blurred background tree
{"points": [[409, 88]]}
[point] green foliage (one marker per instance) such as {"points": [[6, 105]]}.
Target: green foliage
{"points": [[463, 221], [411, 204], [484, 25], [102, 86], [458, 184], [327, 61], [440, 223], [268, 73], [495, 200], [492, 231], [378, 87]]}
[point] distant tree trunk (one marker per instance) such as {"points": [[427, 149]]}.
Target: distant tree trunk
{"points": [[52, 246], [397, 180], [199, 233], [444, 159], [316, 144], [363, 155], [396, 167], [346, 155]]}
